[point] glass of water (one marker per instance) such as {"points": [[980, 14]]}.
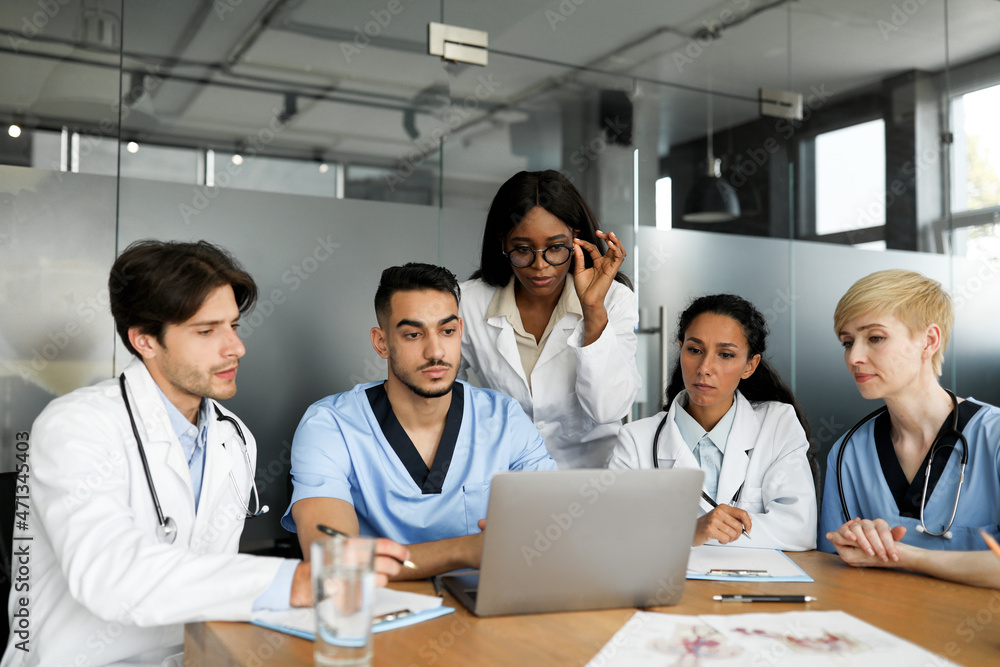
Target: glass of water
{"points": [[343, 578]]}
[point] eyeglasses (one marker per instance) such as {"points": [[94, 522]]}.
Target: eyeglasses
{"points": [[522, 255]]}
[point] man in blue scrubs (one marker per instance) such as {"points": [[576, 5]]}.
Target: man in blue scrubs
{"points": [[411, 459]]}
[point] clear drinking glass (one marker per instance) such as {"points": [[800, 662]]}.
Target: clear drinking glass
{"points": [[343, 578]]}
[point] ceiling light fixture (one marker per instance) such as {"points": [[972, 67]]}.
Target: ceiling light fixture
{"points": [[14, 131], [712, 198], [132, 147]]}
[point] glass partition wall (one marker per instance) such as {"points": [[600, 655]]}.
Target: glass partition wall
{"points": [[320, 143]]}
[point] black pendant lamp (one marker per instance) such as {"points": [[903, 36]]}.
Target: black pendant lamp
{"points": [[712, 198]]}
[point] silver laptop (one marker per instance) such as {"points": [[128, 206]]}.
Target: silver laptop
{"points": [[583, 539]]}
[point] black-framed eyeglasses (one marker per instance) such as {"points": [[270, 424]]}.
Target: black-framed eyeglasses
{"points": [[522, 255]]}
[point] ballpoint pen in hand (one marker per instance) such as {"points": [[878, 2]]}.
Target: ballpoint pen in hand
{"points": [[711, 502], [333, 532]]}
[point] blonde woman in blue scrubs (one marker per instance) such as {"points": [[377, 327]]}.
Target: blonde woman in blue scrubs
{"points": [[910, 501]]}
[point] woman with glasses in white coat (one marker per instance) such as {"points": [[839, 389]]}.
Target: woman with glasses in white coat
{"points": [[550, 320], [729, 413]]}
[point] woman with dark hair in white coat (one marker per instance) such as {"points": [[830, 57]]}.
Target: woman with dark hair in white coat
{"points": [[550, 320], [729, 413]]}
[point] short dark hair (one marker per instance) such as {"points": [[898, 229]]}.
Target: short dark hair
{"points": [[156, 283], [410, 277], [522, 192]]}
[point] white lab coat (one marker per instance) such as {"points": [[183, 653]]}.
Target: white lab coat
{"points": [[578, 394], [103, 589], [766, 453]]}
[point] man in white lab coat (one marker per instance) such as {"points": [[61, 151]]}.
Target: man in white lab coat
{"points": [[120, 554]]}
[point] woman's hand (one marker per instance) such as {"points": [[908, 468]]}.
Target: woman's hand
{"points": [[592, 284], [724, 523], [867, 543]]}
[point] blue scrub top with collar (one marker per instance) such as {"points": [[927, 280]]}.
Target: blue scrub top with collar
{"points": [[871, 496], [341, 450]]}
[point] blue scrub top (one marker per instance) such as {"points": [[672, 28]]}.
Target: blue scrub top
{"points": [[868, 494], [340, 451]]}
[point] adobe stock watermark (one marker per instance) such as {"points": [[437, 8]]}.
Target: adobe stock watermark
{"points": [[973, 624], [56, 341], [455, 116], [294, 277], [223, 7], [588, 152], [33, 24], [562, 12], [102, 639], [899, 17], [705, 37], [363, 35], [873, 214], [656, 257], [590, 492], [109, 125], [433, 649], [248, 149], [668, 591], [747, 163], [974, 284]]}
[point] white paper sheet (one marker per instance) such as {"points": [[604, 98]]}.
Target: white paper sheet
{"points": [[792, 639], [777, 565]]}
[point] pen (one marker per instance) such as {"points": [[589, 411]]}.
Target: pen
{"points": [[333, 532], [764, 598], [715, 504], [990, 542]]}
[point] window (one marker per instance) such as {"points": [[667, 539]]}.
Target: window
{"points": [[850, 178], [976, 167], [159, 163], [664, 200]]}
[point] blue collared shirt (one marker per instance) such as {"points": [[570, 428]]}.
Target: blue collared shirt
{"points": [[708, 447], [194, 440]]}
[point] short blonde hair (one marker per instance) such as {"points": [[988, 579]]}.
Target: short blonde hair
{"points": [[914, 299]]}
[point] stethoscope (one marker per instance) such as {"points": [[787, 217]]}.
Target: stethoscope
{"points": [[166, 531], [656, 463], [952, 431]]}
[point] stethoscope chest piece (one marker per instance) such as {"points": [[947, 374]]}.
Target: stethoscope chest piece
{"points": [[166, 532]]}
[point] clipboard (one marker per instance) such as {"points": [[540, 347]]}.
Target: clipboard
{"points": [[389, 604], [746, 564]]}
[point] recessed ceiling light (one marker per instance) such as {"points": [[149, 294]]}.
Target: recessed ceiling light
{"points": [[14, 131]]}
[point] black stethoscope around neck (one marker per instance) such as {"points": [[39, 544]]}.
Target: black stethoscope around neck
{"points": [[166, 531], [935, 446], [656, 461]]}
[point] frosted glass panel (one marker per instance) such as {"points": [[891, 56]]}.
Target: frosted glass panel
{"points": [[57, 240]]}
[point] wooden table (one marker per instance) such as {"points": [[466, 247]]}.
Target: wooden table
{"points": [[959, 622]]}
